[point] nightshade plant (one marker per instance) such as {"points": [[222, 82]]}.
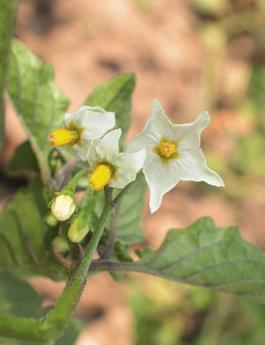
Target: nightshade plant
{"points": [[45, 230]]}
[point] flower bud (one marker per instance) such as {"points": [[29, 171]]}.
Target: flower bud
{"points": [[76, 233], [60, 244], [63, 206], [51, 220]]}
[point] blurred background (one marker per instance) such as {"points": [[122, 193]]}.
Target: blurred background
{"points": [[191, 55]]}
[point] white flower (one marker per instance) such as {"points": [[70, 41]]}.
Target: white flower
{"points": [[108, 166], [173, 153], [82, 126], [63, 206]]}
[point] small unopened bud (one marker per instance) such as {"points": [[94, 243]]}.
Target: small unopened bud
{"points": [[60, 244], [76, 233], [51, 220], [63, 206]]}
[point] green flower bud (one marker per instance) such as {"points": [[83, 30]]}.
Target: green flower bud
{"points": [[51, 220], [63, 206], [60, 244], [77, 231]]}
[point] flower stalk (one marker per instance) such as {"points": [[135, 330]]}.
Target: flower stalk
{"points": [[49, 328]]}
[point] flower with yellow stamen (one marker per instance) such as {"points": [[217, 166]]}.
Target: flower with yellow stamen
{"points": [[167, 149], [62, 137], [173, 153], [108, 166], [100, 177], [80, 127]]}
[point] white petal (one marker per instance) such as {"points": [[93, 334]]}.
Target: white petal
{"points": [[137, 159], [161, 177], [95, 121], [81, 150], [192, 166], [63, 206], [159, 124], [128, 165], [189, 134], [142, 141], [92, 155], [70, 118], [108, 147], [157, 127]]}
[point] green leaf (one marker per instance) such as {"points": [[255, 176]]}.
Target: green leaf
{"points": [[129, 227], [115, 95], [7, 16], [24, 237], [18, 298], [129, 212], [23, 161], [205, 255], [38, 103]]}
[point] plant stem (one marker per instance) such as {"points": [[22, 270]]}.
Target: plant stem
{"points": [[118, 198], [112, 233], [49, 328], [62, 175], [72, 184]]}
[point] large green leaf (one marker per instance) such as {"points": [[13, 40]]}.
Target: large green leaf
{"points": [[115, 95], [129, 227], [39, 104], [205, 255], [24, 234], [18, 298], [7, 14]]}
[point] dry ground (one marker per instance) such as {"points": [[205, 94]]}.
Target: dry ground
{"points": [[88, 42]]}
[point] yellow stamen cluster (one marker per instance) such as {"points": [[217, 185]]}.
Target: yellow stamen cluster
{"points": [[167, 149], [62, 136], [100, 177]]}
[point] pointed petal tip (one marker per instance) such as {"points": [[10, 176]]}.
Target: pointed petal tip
{"points": [[156, 105], [153, 209], [219, 182], [204, 118], [154, 204], [222, 184]]}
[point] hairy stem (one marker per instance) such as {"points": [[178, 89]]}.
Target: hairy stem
{"points": [[112, 234], [72, 184], [49, 328]]}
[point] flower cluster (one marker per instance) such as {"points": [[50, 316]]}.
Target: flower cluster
{"points": [[166, 152]]}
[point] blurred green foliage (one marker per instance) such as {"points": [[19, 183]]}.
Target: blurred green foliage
{"points": [[232, 33], [166, 315]]}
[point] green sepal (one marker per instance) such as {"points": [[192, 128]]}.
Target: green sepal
{"points": [[82, 222]]}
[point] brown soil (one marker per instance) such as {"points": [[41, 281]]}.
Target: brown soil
{"points": [[89, 42]]}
